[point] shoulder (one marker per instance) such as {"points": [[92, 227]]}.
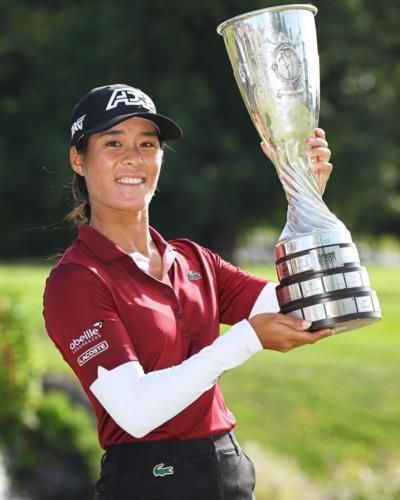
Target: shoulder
{"points": [[69, 282], [75, 273], [75, 264], [185, 245], [193, 251]]}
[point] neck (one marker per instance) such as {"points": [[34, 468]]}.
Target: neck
{"points": [[129, 232]]}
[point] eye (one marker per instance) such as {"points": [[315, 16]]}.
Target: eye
{"points": [[147, 144], [113, 144]]}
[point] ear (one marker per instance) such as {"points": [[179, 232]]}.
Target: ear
{"points": [[76, 160]]}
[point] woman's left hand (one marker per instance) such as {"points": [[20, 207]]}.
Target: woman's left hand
{"points": [[319, 154]]}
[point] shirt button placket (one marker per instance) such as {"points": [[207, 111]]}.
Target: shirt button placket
{"points": [[177, 310]]}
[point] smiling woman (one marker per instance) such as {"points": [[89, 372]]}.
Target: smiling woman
{"points": [[121, 167], [137, 318]]}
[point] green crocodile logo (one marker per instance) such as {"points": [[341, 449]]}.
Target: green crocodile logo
{"points": [[160, 471], [193, 275]]}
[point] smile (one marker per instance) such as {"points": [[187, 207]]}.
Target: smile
{"points": [[131, 180]]}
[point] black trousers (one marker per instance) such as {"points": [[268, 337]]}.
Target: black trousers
{"points": [[213, 468]]}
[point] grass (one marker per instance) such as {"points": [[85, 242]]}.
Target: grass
{"points": [[336, 402], [30, 281]]}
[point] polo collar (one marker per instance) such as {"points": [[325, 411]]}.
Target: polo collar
{"points": [[107, 251]]}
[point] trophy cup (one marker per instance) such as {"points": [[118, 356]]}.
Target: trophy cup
{"points": [[274, 56]]}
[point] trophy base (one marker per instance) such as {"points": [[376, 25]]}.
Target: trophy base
{"points": [[342, 312], [347, 323], [325, 284]]}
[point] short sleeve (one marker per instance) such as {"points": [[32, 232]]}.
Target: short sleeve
{"points": [[81, 319], [237, 290]]}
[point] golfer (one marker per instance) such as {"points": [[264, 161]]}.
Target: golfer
{"points": [[137, 317]]}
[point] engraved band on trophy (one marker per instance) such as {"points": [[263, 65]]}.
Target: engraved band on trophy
{"points": [[274, 56]]}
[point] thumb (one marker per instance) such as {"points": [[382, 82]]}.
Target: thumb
{"points": [[295, 323]]}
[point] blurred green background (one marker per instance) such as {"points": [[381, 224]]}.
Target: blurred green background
{"points": [[320, 422]]}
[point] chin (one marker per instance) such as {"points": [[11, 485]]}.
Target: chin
{"points": [[133, 208]]}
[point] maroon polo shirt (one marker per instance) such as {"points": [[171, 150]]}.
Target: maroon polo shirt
{"points": [[100, 309]]}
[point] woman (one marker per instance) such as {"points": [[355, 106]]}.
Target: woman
{"points": [[137, 318]]}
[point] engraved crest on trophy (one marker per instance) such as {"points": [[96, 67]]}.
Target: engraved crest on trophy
{"points": [[274, 56], [287, 67]]}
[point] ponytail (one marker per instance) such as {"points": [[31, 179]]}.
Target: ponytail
{"points": [[80, 213]]}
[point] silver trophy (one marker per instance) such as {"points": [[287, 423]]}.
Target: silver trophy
{"points": [[274, 56]]}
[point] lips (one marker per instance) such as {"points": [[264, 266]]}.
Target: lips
{"points": [[131, 180]]}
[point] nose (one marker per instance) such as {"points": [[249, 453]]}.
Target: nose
{"points": [[133, 157]]}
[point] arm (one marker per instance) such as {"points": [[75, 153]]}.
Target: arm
{"points": [[139, 402]]}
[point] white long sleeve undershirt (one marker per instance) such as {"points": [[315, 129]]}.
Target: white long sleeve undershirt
{"points": [[140, 402]]}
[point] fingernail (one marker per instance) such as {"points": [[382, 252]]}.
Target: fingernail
{"points": [[306, 324]]}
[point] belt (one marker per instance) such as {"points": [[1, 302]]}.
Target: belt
{"points": [[184, 448]]}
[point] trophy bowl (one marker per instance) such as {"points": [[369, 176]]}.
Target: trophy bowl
{"points": [[274, 56]]}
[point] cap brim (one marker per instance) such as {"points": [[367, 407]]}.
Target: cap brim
{"points": [[168, 129]]}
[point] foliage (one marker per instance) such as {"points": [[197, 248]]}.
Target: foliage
{"points": [[217, 183], [59, 459], [49, 446], [18, 370]]}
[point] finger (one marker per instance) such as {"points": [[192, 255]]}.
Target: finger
{"points": [[322, 168], [323, 154], [304, 338], [321, 334], [319, 132], [316, 142], [295, 323]]}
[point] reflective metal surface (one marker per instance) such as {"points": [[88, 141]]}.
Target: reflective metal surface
{"points": [[318, 259], [322, 285], [274, 56], [342, 315], [314, 240]]}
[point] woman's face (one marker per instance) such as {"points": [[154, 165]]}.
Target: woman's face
{"points": [[121, 166]]}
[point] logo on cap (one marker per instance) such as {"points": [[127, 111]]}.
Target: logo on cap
{"points": [[78, 125], [130, 97]]}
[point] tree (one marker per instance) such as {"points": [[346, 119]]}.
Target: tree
{"points": [[217, 183]]}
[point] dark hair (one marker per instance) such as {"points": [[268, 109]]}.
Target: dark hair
{"points": [[80, 214]]}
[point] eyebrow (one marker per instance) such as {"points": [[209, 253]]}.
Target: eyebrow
{"points": [[122, 132]]}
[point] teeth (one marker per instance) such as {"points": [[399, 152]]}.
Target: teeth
{"points": [[130, 180]]}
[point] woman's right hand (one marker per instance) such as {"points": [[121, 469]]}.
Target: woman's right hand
{"points": [[283, 333]]}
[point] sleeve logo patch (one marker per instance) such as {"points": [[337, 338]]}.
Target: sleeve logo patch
{"points": [[87, 337], [92, 352]]}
